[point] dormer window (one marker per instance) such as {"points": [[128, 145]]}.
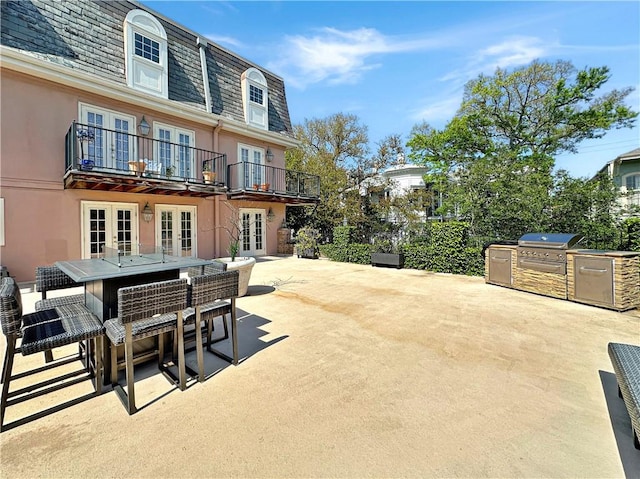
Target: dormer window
{"points": [[147, 48], [145, 42], [255, 99]]}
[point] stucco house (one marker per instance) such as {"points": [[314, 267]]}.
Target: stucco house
{"points": [[625, 172], [403, 179], [114, 119]]}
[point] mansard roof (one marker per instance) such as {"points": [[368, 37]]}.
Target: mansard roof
{"points": [[87, 36]]}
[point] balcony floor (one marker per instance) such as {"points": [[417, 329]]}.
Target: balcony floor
{"points": [[130, 183]]}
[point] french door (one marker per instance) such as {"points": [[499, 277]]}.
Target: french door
{"points": [[253, 239], [109, 225], [176, 229], [174, 149], [253, 165], [112, 146]]}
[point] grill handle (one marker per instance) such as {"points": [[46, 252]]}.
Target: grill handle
{"points": [[540, 266], [594, 271], [500, 260]]}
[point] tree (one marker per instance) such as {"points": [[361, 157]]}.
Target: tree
{"points": [[495, 158], [336, 149]]}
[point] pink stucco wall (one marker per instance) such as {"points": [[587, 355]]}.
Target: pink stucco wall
{"points": [[42, 219]]}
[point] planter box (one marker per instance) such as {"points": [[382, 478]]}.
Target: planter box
{"points": [[309, 253], [395, 260]]}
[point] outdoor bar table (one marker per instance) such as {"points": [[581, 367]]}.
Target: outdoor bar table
{"points": [[102, 277]]}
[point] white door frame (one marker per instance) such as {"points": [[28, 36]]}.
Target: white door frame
{"points": [[253, 238], [179, 244], [111, 235]]}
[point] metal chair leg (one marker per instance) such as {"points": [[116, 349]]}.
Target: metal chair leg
{"points": [[6, 376], [128, 352], [199, 353], [182, 371]]}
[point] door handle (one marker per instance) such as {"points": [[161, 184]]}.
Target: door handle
{"points": [[584, 269]]}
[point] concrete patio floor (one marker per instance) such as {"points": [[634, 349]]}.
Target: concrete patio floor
{"points": [[354, 371]]}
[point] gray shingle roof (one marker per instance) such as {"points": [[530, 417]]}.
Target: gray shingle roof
{"points": [[87, 35]]}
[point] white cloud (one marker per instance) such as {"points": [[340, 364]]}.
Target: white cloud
{"points": [[510, 53], [438, 112], [221, 40], [338, 56]]}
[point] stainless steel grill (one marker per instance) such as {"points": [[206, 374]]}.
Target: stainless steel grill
{"points": [[546, 252]]}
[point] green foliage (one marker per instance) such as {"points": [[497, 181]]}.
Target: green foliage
{"points": [[494, 160], [360, 253], [343, 235], [631, 235], [447, 247], [307, 241], [416, 255], [343, 248], [443, 249]]}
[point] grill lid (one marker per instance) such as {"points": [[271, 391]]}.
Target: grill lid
{"points": [[549, 240]]}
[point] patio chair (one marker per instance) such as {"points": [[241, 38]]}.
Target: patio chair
{"points": [[210, 315], [144, 311], [50, 278], [208, 295], [43, 331]]}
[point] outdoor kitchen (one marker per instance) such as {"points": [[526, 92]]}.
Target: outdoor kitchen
{"points": [[548, 264]]}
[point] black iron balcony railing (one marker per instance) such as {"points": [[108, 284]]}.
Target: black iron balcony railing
{"points": [[258, 177], [91, 148]]}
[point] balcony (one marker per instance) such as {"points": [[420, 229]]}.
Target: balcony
{"points": [[258, 182], [110, 160]]}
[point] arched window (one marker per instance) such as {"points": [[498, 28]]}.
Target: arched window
{"points": [[145, 46], [255, 99]]}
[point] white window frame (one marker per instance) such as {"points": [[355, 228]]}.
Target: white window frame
{"points": [[253, 167], [135, 222], [251, 225], [144, 74], [625, 178], [176, 210], [110, 117], [175, 132], [255, 114]]}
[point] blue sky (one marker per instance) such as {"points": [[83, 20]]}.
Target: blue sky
{"points": [[396, 64]]}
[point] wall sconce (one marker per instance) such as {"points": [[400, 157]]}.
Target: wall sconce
{"points": [[144, 127], [270, 215], [269, 155], [147, 213]]}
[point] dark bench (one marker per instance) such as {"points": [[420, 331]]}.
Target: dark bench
{"points": [[626, 363]]}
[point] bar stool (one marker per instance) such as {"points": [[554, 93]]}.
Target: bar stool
{"points": [[147, 310]]}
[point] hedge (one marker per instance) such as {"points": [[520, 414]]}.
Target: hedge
{"points": [[445, 250]]}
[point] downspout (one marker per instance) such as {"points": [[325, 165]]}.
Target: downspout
{"points": [[216, 212], [202, 45]]}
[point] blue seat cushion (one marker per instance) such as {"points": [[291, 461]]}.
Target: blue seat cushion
{"points": [[59, 331]]}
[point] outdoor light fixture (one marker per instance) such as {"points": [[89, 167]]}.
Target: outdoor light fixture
{"points": [[270, 215], [144, 127], [269, 155], [147, 213]]}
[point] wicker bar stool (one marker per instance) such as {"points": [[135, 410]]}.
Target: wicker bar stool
{"points": [[147, 310], [51, 278], [213, 295], [42, 331], [216, 310]]}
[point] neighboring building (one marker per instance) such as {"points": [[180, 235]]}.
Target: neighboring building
{"points": [[625, 172], [93, 92], [402, 180]]}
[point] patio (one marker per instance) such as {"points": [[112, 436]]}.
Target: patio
{"points": [[354, 371]]}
